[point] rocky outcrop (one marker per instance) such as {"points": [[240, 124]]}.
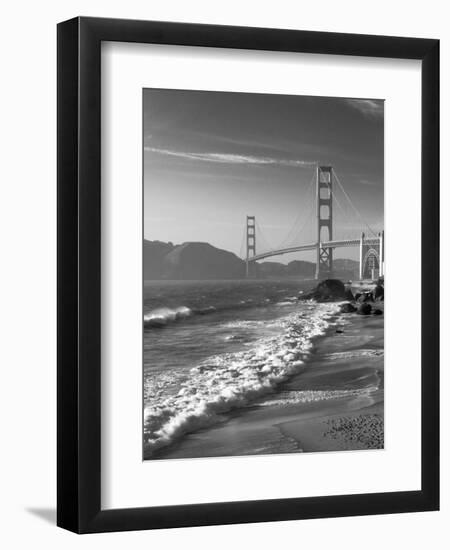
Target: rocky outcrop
{"points": [[329, 290], [363, 297], [364, 309], [375, 295], [378, 293], [334, 290], [347, 308], [349, 294]]}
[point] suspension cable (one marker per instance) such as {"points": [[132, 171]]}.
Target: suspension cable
{"points": [[301, 215], [352, 205], [335, 198], [260, 236]]}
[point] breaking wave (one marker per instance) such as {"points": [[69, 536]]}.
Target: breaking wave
{"points": [[163, 315], [231, 380]]}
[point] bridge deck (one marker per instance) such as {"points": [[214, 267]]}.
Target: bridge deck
{"points": [[313, 246]]}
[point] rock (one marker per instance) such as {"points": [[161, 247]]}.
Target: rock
{"points": [[377, 312], [378, 293], [365, 297], [347, 308], [349, 295], [364, 309], [329, 290]]}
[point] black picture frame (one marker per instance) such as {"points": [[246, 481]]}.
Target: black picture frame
{"points": [[79, 281]]}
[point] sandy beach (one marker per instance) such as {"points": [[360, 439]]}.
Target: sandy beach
{"points": [[335, 403]]}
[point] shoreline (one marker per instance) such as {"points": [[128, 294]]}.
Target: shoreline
{"points": [[336, 403]]}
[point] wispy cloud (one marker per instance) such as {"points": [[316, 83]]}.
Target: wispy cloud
{"points": [[228, 158], [372, 108], [359, 178]]}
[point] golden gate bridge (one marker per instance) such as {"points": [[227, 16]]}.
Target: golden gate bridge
{"points": [[321, 215]]}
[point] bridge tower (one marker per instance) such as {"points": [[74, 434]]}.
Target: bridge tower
{"points": [[250, 245], [371, 256], [324, 187]]}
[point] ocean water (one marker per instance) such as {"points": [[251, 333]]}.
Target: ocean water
{"points": [[211, 347]]}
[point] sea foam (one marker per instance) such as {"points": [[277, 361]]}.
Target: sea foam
{"points": [[312, 396], [164, 315], [231, 380]]}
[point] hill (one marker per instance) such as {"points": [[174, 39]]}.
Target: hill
{"points": [[191, 261], [301, 268], [202, 261], [346, 269], [154, 254]]}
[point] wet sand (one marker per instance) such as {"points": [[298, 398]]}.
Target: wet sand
{"points": [[335, 403]]}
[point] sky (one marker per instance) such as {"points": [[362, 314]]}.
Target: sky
{"points": [[212, 158]]}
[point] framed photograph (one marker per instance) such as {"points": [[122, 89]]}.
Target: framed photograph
{"points": [[235, 208]]}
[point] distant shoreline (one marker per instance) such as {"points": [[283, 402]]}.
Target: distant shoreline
{"points": [[203, 261]]}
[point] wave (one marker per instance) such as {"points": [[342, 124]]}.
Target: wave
{"points": [[204, 310], [231, 380], [356, 353], [252, 323], [161, 316]]}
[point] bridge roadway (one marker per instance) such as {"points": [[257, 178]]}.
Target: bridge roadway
{"points": [[313, 246]]}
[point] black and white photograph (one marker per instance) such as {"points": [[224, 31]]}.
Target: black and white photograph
{"points": [[263, 268], [198, 232]]}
